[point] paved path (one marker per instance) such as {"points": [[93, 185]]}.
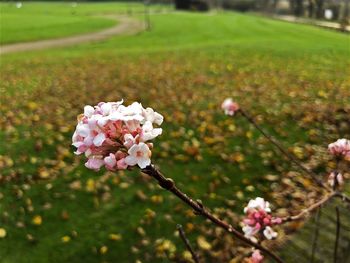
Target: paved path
{"points": [[126, 25], [331, 25]]}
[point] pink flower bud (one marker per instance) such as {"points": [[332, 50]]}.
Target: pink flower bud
{"points": [[340, 179], [340, 148], [94, 164], [335, 179], [276, 221], [256, 257], [266, 221], [230, 107]]}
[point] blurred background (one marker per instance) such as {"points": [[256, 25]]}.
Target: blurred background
{"points": [[285, 62]]}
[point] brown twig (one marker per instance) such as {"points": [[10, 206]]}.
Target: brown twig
{"points": [[337, 235], [343, 197], [169, 185], [315, 237], [309, 209], [282, 150], [187, 243]]}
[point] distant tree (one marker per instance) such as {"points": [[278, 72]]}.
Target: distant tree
{"points": [[292, 6], [196, 5], [265, 5], [299, 8], [274, 5], [346, 15], [310, 8], [242, 5], [296, 7], [319, 8], [183, 4]]}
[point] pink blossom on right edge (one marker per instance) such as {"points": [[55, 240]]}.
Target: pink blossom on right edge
{"points": [[230, 107], [340, 148]]}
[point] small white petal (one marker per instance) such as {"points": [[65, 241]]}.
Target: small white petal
{"points": [[99, 139], [83, 130], [143, 162], [88, 110], [130, 160], [106, 108]]}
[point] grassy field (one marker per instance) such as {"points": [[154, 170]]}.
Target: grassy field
{"points": [[35, 21], [293, 78]]}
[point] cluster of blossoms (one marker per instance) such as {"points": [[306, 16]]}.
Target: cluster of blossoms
{"points": [[230, 107], [259, 220], [116, 136], [340, 148]]}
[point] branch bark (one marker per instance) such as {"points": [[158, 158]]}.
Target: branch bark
{"points": [[282, 150], [316, 233], [169, 185], [343, 197], [336, 244], [310, 209], [187, 243]]}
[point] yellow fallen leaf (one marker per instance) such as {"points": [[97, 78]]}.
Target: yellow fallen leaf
{"points": [[157, 199], [103, 250], [32, 105], [65, 239], [90, 185], [249, 134], [2, 233], [43, 173], [115, 237], [37, 220], [187, 256], [203, 243]]}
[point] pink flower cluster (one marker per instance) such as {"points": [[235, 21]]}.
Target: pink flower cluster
{"points": [[116, 136], [230, 107], [256, 257], [259, 220], [340, 148]]}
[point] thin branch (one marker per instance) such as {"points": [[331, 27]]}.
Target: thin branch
{"points": [[309, 209], [315, 237], [343, 197], [282, 150], [337, 235], [187, 243], [169, 185]]}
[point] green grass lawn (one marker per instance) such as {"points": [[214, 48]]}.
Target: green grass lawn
{"points": [[293, 78], [36, 21]]}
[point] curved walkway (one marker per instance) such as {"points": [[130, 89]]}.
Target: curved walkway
{"points": [[308, 21], [126, 25]]}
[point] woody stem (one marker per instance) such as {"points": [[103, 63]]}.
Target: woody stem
{"points": [[282, 150], [169, 185]]}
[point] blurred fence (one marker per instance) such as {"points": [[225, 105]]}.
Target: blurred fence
{"points": [[299, 248]]}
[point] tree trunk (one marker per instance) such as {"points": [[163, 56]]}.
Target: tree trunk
{"points": [[310, 8], [299, 8], [274, 5], [319, 9], [265, 5], [292, 6], [344, 22], [346, 11]]}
